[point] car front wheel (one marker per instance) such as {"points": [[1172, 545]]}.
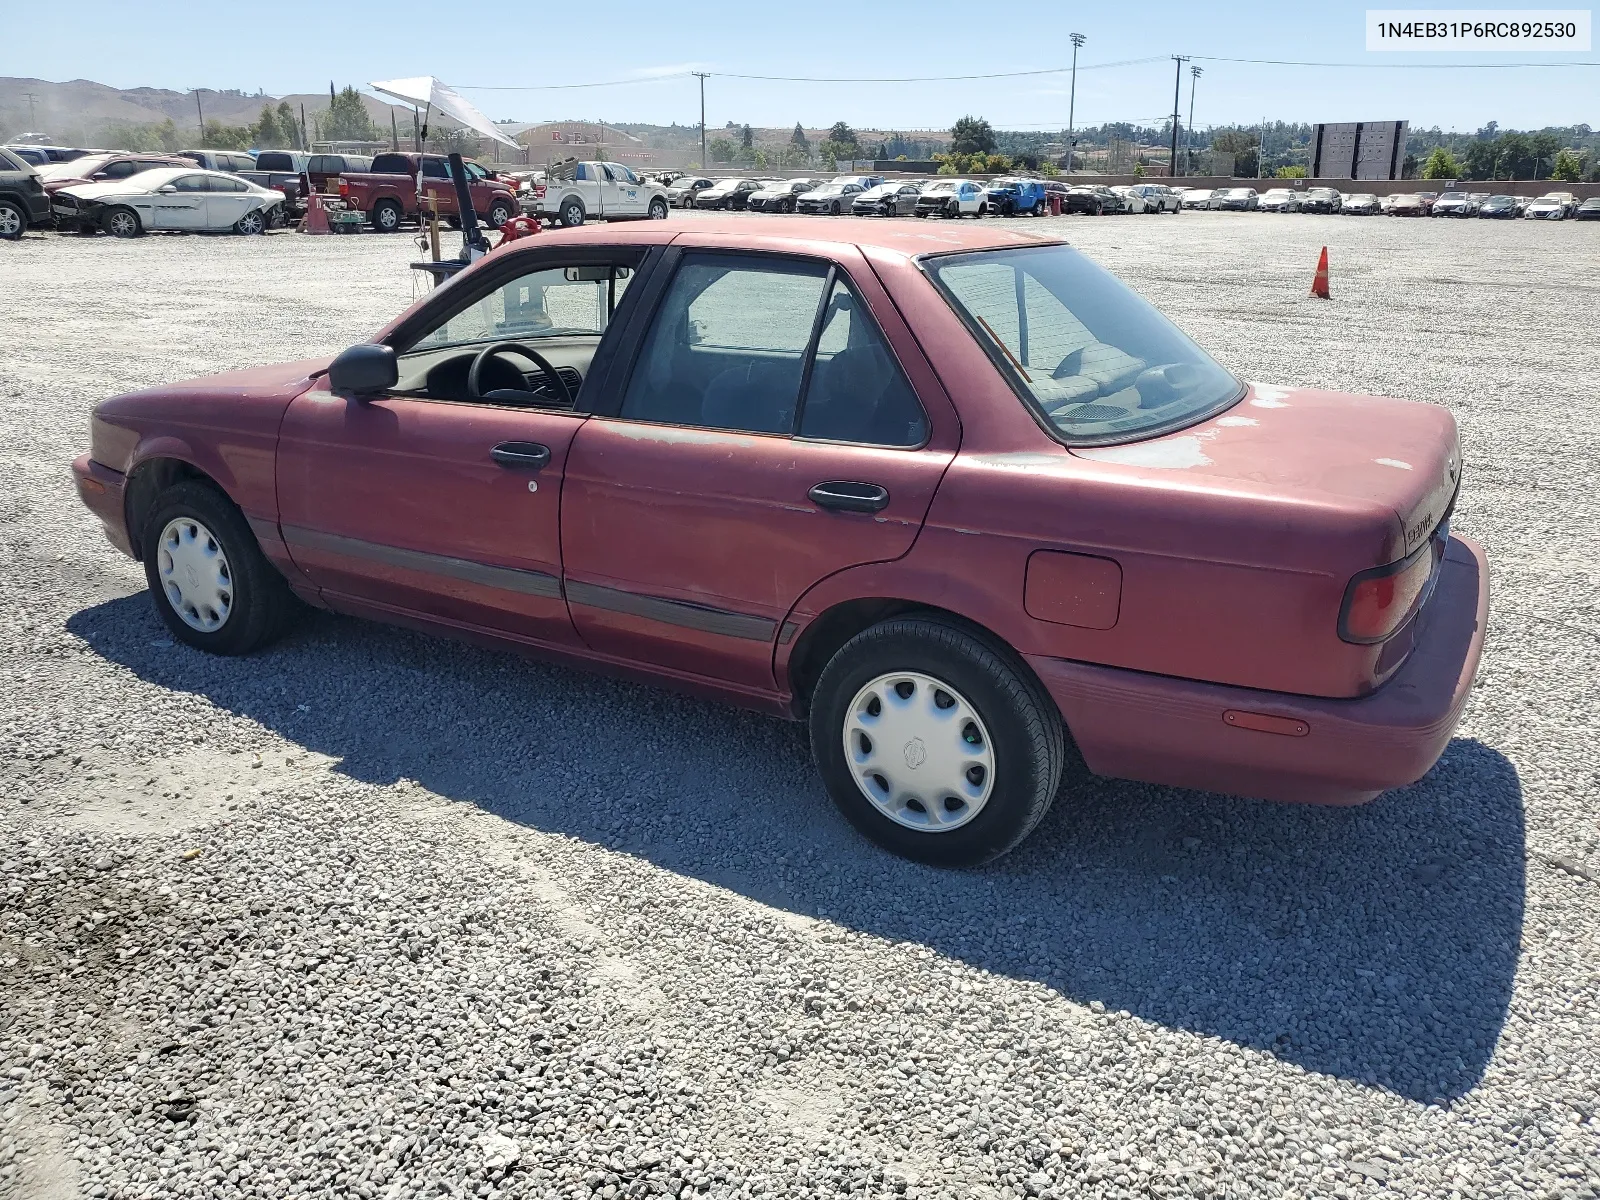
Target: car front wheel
{"points": [[936, 742], [211, 584], [122, 223], [499, 213]]}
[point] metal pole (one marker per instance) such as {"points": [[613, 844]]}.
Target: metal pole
{"points": [[201, 114], [1194, 78], [1072, 98], [1177, 87], [702, 77]]}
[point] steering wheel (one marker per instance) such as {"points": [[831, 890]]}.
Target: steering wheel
{"points": [[552, 376]]}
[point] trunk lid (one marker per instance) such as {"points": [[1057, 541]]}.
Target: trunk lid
{"points": [[1323, 447]]}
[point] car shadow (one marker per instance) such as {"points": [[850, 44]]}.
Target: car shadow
{"points": [[1377, 944]]}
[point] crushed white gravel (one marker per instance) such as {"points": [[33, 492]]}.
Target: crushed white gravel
{"points": [[376, 915]]}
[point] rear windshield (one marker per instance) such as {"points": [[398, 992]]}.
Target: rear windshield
{"points": [[1092, 358]]}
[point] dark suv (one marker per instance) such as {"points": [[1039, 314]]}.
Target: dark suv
{"points": [[23, 201]]}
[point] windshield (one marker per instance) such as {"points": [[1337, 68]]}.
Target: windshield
{"points": [[939, 187], [1096, 361]]}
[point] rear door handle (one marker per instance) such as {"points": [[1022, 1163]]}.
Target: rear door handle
{"points": [[845, 496], [530, 456]]}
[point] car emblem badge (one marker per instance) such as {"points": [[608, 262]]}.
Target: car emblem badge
{"points": [[916, 753]]}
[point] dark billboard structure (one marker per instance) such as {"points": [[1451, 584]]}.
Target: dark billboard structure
{"points": [[1358, 150]]}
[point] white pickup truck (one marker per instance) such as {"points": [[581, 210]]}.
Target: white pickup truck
{"points": [[574, 192]]}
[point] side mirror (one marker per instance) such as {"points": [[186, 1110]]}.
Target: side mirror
{"points": [[364, 369], [166, 189]]}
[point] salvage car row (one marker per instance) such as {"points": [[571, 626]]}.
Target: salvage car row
{"points": [[873, 195], [1552, 206]]}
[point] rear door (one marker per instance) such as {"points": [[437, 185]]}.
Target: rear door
{"points": [[436, 182], [768, 434], [227, 200]]}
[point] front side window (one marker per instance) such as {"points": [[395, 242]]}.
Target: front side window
{"points": [[553, 302], [1093, 358]]}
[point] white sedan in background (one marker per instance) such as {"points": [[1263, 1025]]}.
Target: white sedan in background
{"points": [[1198, 198], [170, 198]]}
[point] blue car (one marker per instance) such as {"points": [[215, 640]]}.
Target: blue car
{"points": [[1013, 197]]}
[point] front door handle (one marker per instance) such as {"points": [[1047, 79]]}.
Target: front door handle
{"points": [[530, 456], [845, 496]]}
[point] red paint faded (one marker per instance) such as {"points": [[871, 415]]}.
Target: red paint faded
{"points": [[1178, 596]]}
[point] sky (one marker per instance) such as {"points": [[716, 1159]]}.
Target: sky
{"points": [[641, 52]]}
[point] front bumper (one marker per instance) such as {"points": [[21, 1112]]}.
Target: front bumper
{"points": [[101, 490], [1273, 746]]}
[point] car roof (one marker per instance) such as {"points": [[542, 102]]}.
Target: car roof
{"points": [[798, 233]]}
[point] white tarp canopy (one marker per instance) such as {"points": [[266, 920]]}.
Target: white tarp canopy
{"points": [[426, 90]]}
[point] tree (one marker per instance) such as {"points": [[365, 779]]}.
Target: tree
{"points": [[721, 150], [1441, 164], [1296, 172], [1514, 157], [972, 135], [346, 119], [1544, 147], [218, 136], [1243, 147], [747, 138], [798, 140], [1568, 168], [267, 133], [842, 135], [288, 124]]}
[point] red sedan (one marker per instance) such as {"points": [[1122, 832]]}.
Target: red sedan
{"points": [[953, 497]]}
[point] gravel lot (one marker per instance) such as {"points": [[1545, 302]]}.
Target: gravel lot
{"points": [[377, 915]]}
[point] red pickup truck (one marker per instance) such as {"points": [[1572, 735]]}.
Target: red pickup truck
{"points": [[388, 192]]}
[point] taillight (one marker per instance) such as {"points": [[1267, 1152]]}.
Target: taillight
{"points": [[1380, 601], [538, 191], [344, 186]]}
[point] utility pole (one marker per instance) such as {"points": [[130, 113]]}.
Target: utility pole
{"points": [[1177, 86], [701, 75], [1072, 99], [33, 120], [1194, 78], [201, 114]]}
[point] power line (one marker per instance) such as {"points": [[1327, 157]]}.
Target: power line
{"points": [[546, 87], [1386, 66]]}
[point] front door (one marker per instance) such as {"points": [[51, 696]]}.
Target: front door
{"points": [[627, 197], [767, 437], [184, 207], [441, 498]]}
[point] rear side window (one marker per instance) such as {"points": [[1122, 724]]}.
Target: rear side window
{"points": [[737, 339], [121, 170], [272, 161], [391, 164], [433, 168], [1093, 359]]}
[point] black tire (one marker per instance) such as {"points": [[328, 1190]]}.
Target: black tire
{"points": [[953, 210], [658, 209], [833, 209], [261, 604], [572, 214], [13, 221], [251, 223], [386, 216], [122, 222], [499, 213], [1025, 728]]}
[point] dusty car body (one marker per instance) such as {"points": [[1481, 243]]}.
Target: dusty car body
{"points": [[822, 469], [169, 198]]}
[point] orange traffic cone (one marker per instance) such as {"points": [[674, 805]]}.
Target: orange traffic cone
{"points": [[316, 216], [1319, 285]]}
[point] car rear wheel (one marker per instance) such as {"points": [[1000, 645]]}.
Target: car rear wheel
{"points": [[211, 584], [658, 209], [386, 216], [12, 221], [121, 222], [251, 223], [572, 214], [935, 741]]}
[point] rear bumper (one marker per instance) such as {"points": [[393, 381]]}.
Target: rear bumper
{"points": [[101, 490], [1130, 725]]}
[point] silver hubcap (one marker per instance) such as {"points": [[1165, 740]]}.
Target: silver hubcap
{"points": [[195, 574], [10, 221], [919, 752], [122, 223], [250, 223]]}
